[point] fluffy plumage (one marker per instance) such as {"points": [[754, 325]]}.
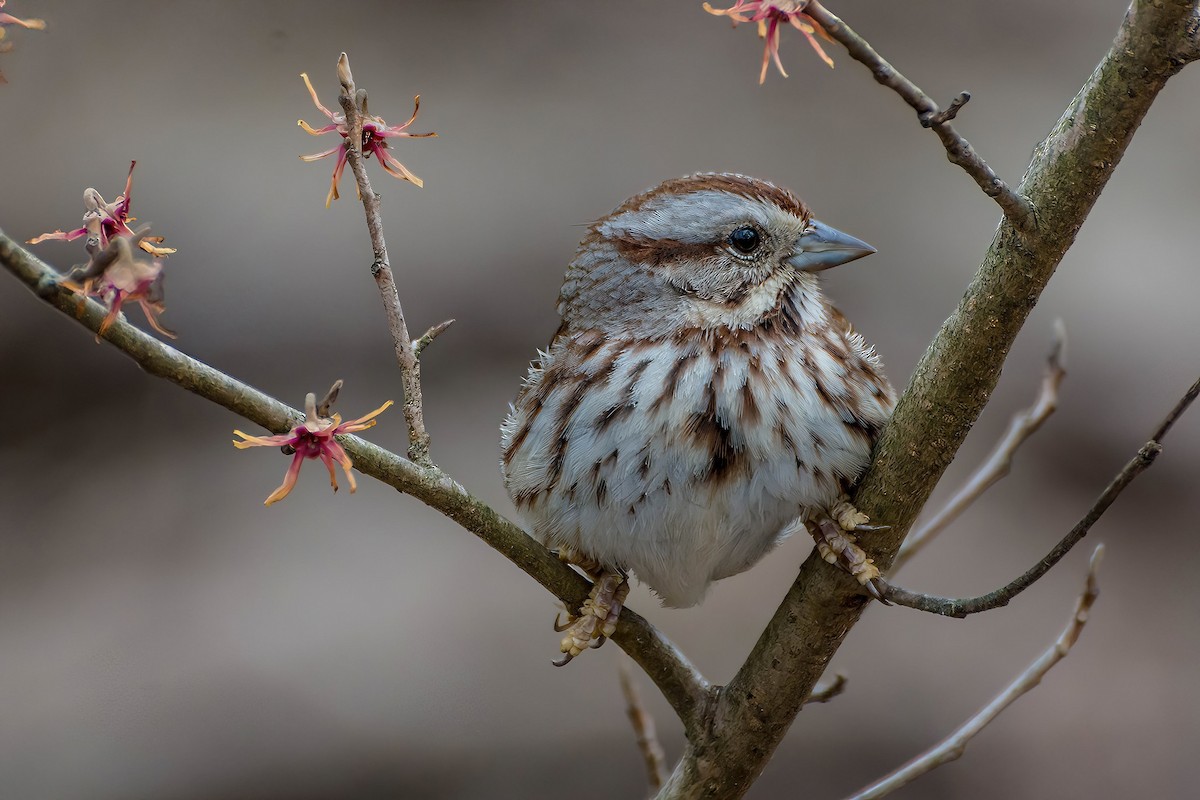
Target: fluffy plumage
{"points": [[699, 399]]}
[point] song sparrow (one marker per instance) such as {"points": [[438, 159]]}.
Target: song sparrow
{"points": [[700, 401]]}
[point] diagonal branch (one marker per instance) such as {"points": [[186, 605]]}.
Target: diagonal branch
{"points": [[999, 462], [681, 683], [948, 390], [973, 605], [953, 746], [406, 355], [1016, 207]]}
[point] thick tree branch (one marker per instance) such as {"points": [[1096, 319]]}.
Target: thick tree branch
{"points": [[963, 607], [353, 104], [953, 746], [999, 461], [948, 390], [680, 682], [1015, 206]]}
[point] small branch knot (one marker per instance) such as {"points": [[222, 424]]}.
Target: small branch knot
{"points": [[47, 286], [935, 117]]}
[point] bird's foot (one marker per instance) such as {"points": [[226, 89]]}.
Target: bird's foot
{"points": [[597, 617], [836, 543]]}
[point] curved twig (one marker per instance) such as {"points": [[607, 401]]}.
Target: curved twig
{"points": [[1017, 208], [963, 607]]}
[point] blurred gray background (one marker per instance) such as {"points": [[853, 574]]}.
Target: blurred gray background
{"points": [[163, 635]]}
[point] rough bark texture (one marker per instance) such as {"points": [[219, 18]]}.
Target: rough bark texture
{"points": [[947, 392]]}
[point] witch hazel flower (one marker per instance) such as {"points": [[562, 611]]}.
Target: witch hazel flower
{"points": [[314, 438], [103, 222], [375, 135], [769, 16], [115, 276]]}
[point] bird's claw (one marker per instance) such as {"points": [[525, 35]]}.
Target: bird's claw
{"points": [[877, 588], [597, 617], [835, 536]]}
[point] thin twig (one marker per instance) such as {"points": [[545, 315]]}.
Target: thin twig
{"points": [[961, 607], [428, 336], [680, 682], [823, 694], [643, 728], [999, 462], [1015, 207], [953, 746], [406, 356]]}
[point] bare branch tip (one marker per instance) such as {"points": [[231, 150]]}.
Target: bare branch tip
{"points": [[326, 405], [1094, 568], [1058, 354], [823, 694], [427, 338], [345, 77]]}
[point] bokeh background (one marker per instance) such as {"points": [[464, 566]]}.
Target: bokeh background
{"points": [[163, 635]]}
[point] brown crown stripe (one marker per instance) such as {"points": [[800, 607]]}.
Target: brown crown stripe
{"points": [[725, 182]]}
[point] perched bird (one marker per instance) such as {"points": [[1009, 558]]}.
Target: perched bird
{"points": [[701, 400]]}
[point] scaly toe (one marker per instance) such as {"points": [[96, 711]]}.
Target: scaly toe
{"points": [[836, 546], [597, 618], [847, 516]]}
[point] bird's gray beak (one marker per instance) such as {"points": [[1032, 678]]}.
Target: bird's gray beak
{"points": [[822, 247]]}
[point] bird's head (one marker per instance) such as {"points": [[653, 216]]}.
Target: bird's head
{"points": [[706, 250]]}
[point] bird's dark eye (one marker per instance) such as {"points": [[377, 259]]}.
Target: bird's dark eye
{"points": [[745, 239]]}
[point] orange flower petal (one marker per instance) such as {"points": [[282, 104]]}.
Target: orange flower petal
{"points": [[289, 480]]}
